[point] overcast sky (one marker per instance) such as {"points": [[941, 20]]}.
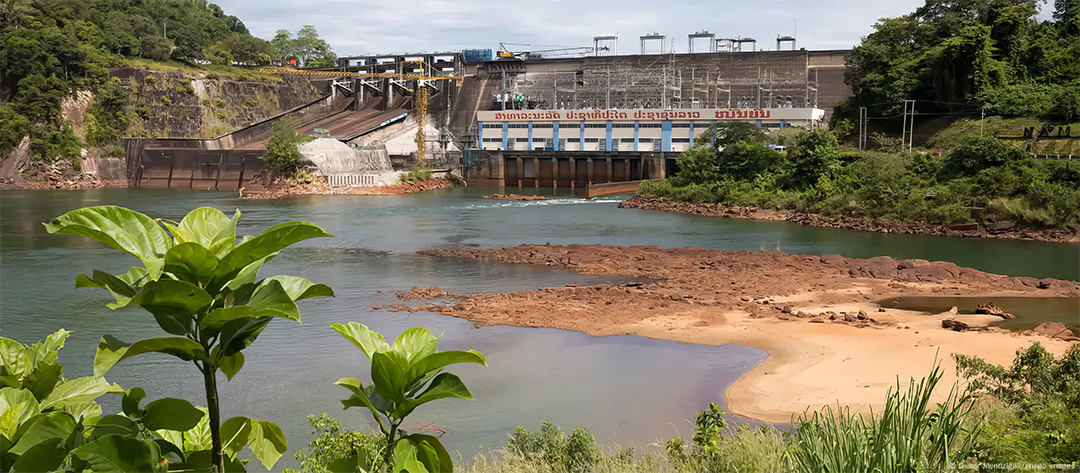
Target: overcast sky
{"points": [[376, 27]]}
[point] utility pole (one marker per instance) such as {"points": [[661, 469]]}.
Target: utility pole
{"points": [[164, 34], [982, 118], [862, 128], [907, 136]]}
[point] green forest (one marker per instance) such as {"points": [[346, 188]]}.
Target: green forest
{"points": [[953, 54], [50, 48]]}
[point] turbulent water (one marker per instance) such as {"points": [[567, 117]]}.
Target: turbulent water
{"points": [[625, 389]]}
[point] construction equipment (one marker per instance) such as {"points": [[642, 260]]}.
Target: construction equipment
{"points": [[505, 53], [420, 94]]}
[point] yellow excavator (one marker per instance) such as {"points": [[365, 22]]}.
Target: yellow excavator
{"points": [[420, 95]]}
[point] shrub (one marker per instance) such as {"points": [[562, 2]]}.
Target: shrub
{"points": [[282, 148], [576, 453], [414, 176], [975, 153], [332, 444], [814, 154]]}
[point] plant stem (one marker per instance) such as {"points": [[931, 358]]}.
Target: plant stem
{"points": [[210, 381], [389, 455]]}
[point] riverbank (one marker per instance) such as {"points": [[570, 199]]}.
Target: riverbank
{"points": [[827, 339], [319, 187], [999, 230]]}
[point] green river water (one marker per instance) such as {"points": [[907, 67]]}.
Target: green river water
{"points": [[625, 389]]}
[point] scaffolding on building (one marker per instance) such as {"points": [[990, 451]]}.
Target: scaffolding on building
{"points": [[666, 81]]}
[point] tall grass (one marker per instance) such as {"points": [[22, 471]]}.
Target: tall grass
{"points": [[905, 436]]}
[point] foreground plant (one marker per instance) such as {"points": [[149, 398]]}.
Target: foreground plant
{"points": [[907, 435], [50, 423], [404, 376], [202, 288]]}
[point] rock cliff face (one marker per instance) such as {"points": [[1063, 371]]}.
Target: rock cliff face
{"points": [[168, 104]]}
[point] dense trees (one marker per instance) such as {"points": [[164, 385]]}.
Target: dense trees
{"points": [[306, 48], [49, 48], [992, 53]]}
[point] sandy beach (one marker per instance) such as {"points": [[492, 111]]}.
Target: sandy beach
{"points": [[827, 340]]}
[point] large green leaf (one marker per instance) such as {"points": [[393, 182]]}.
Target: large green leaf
{"points": [[82, 411], [267, 442], [16, 407], [365, 339], [271, 241], [212, 323], [130, 402], [171, 414], [416, 343], [413, 455], [388, 378], [43, 379], [270, 296], [191, 262], [44, 427], [210, 228], [230, 365], [235, 433], [120, 454], [360, 398], [119, 228], [78, 391], [300, 288], [173, 303], [247, 275], [14, 358], [445, 385], [441, 463], [114, 424], [121, 291], [439, 360], [44, 456], [239, 334], [111, 351]]}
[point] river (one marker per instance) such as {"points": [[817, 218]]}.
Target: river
{"points": [[624, 389]]}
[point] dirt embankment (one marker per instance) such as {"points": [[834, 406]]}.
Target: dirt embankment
{"points": [[815, 315], [319, 187], [1004, 229]]}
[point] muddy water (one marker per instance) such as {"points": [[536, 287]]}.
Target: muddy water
{"points": [[1029, 311], [625, 389]]}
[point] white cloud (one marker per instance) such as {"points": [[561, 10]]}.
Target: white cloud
{"points": [[444, 25]]}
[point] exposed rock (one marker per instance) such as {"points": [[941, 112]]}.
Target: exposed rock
{"points": [[1055, 330], [954, 325], [862, 315], [990, 308], [849, 318]]}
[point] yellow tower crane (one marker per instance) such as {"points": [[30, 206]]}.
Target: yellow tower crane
{"points": [[420, 95]]}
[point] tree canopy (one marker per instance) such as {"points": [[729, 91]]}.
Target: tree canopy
{"points": [[48, 48], [307, 49], [995, 54]]}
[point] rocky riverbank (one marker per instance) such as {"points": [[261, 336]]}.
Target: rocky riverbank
{"points": [[1002, 229], [815, 315], [319, 187]]}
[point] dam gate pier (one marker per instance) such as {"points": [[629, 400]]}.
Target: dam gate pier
{"points": [[572, 170]]}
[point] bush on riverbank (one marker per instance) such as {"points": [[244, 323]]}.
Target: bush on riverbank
{"points": [[816, 177]]}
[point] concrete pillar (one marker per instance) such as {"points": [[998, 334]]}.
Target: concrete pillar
{"points": [[636, 126], [626, 169], [520, 171], [573, 172], [536, 173], [607, 146], [590, 166], [609, 170], [555, 173]]}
